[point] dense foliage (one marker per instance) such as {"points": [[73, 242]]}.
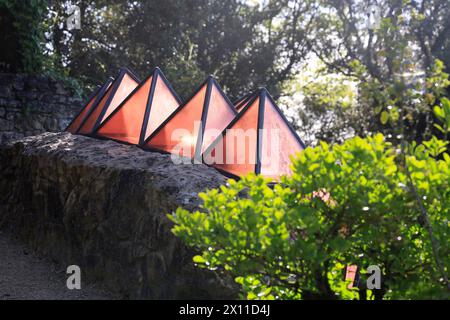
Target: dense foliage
{"points": [[22, 35], [382, 51], [364, 202], [243, 43], [384, 59]]}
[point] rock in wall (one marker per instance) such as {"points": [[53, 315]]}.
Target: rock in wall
{"points": [[102, 205], [32, 104]]}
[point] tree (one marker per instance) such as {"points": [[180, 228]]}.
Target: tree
{"points": [[354, 203], [242, 44], [22, 35], [389, 61]]}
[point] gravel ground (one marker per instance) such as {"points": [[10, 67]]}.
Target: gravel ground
{"points": [[26, 276]]}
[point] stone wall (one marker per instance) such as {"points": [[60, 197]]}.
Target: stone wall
{"points": [[32, 104], [102, 205]]}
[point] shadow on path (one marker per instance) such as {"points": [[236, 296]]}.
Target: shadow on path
{"points": [[26, 276]]}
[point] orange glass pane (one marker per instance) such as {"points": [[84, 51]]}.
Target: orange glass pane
{"points": [[179, 134], [89, 123], [236, 151], [278, 143], [240, 107], [220, 114], [127, 85], [73, 127], [126, 123], [242, 102], [350, 275], [237, 103], [163, 105]]}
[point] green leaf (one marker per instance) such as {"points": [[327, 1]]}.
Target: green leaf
{"points": [[384, 117], [199, 259], [446, 157], [439, 128], [279, 214], [439, 112]]}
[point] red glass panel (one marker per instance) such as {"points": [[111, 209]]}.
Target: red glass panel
{"points": [[126, 86], [236, 151], [242, 103], [126, 124], [220, 114], [278, 143], [89, 124], [163, 105], [179, 134], [350, 275], [77, 122]]}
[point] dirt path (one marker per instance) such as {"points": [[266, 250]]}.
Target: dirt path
{"points": [[24, 275]]}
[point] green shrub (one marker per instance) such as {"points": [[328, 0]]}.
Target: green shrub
{"points": [[344, 204]]}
